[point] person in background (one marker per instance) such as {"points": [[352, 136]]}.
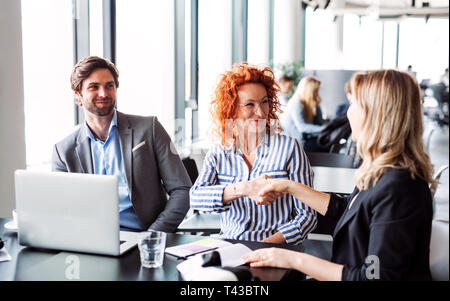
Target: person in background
{"points": [[249, 150], [384, 226], [444, 78], [285, 84], [136, 149], [342, 108], [411, 72], [303, 117], [338, 128]]}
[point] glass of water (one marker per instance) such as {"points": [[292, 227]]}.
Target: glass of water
{"points": [[151, 248]]}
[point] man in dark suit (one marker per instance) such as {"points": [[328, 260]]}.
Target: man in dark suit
{"points": [[136, 149]]}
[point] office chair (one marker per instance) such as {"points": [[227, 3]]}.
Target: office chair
{"points": [[427, 133], [326, 225], [335, 134], [439, 93], [191, 168], [330, 160], [439, 240], [441, 115], [437, 177], [439, 250]]}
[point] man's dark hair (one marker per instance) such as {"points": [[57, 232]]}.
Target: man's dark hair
{"points": [[86, 66]]}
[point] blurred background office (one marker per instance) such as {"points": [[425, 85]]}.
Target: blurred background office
{"points": [[170, 53]]}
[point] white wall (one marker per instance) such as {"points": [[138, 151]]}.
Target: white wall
{"points": [[12, 120]]}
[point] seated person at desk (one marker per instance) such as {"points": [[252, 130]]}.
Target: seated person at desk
{"points": [[384, 226], [249, 149], [303, 116], [285, 84], [343, 107], [134, 148]]}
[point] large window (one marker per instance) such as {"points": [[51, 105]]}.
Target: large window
{"points": [[145, 56], [389, 44], [145, 59], [214, 53], [96, 28], [362, 43], [323, 46], [258, 32], [372, 44], [189, 94], [47, 62], [424, 46]]}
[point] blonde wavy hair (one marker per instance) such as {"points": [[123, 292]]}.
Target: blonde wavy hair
{"points": [[391, 134], [307, 93]]}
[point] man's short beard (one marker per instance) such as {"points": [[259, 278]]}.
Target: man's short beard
{"points": [[102, 112], [105, 111]]}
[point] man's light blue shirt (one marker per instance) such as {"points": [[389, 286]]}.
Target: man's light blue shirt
{"points": [[107, 160]]}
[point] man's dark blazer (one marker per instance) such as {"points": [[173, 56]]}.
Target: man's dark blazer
{"points": [[152, 167], [391, 220]]}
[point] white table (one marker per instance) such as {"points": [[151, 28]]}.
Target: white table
{"points": [[334, 179]]}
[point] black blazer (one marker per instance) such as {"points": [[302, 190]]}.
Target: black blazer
{"points": [[392, 221]]}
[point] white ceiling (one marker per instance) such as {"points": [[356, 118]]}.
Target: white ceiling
{"points": [[385, 8]]}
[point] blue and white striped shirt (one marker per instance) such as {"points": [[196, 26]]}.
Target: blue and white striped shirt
{"points": [[278, 156]]}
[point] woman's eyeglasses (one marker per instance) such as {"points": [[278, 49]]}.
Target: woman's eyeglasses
{"points": [[251, 106]]}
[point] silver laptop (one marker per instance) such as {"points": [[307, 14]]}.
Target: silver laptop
{"points": [[71, 212]]}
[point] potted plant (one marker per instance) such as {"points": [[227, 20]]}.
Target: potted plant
{"points": [[293, 71]]}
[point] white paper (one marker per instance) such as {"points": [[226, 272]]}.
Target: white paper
{"points": [[199, 246], [230, 256]]}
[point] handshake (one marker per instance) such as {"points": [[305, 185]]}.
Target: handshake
{"points": [[264, 190]]}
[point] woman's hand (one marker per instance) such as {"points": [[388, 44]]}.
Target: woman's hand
{"points": [[273, 188], [279, 187], [315, 267], [254, 187], [273, 257], [315, 199]]}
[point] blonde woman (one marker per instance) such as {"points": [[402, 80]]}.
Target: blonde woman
{"points": [[303, 114], [384, 226]]}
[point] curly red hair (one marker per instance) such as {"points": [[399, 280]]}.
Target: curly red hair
{"points": [[225, 102]]}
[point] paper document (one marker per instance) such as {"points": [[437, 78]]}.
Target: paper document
{"points": [[230, 256], [196, 247]]}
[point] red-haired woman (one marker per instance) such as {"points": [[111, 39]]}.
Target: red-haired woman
{"points": [[248, 151]]}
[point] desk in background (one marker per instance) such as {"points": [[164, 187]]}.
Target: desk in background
{"points": [[334, 179], [38, 264]]}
